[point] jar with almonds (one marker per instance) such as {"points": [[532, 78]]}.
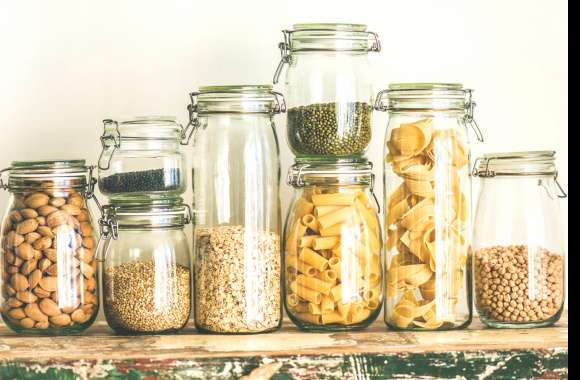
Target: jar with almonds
{"points": [[427, 205], [147, 269], [47, 256], [333, 247], [519, 259]]}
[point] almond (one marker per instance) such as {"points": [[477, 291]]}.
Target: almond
{"points": [[41, 325], [41, 293], [27, 226], [13, 302], [33, 311], [78, 316], [13, 240], [84, 216], [9, 257], [45, 231], [47, 210], [57, 218], [29, 213], [72, 307], [25, 251], [17, 313], [36, 200], [90, 284], [86, 229], [16, 217], [57, 202], [49, 307], [89, 297], [88, 308], [86, 255], [9, 290], [88, 242], [28, 267], [17, 261], [71, 209], [48, 283], [27, 323], [44, 264], [43, 243], [30, 238], [12, 269], [41, 221], [61, 320], [75, 200], [34, 278], [51, 254], [19, 282], [26, 297], [87, 271], [52, 270]]}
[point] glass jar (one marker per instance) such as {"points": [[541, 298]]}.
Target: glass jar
{"points": [[518, 242], [328, 89], [236, 175], [427, 201], [47, 257], [333, 246], [147, 268], [142, 159]]}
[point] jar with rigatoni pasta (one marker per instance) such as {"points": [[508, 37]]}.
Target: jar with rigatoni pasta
{"points": [[427, 205], [333, 246]]}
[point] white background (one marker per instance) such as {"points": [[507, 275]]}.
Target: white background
{"points": [[66, 65]]}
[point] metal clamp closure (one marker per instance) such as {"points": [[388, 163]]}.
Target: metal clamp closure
{"points": [[109, 229], [562, 193], [284, 55], [469, 119], [379, 102], [4, 186], [110, 142]]}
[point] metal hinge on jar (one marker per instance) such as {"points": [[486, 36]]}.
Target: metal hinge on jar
{"points": [[111, 141], [4, 186], [109, 229], [469, 119]]}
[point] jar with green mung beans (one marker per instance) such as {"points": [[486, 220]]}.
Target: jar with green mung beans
{"points": [[328, 89]]}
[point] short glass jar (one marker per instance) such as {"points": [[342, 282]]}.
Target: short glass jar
{"points": [[236, 178], [333, 246], [47, 257], [518, 240], [147, 267], [428, 205], [142, 159], [328, 87]]}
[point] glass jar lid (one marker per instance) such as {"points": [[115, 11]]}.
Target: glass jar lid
{"points": [[341, 172], [329, 37], [243, 99], [531, 163], [49, 174], [152, 215]]}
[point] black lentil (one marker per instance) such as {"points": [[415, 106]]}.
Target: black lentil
{"points": [[142, 181], [337, 129]]}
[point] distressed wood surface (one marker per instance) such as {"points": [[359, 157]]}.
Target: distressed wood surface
{"points": [[376, 353]]}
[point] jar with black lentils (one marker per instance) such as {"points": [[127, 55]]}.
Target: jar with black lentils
{"points": [[328, 89], [518, 245]]}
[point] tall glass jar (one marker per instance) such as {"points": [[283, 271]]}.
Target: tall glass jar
{"points": [[147, 267], [427, 202], [142, 159], [47, 257], [328, 88], [519, 265], [333, 246], [236, 175]]}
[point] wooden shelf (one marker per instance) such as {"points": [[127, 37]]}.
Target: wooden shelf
{"points": [[376, 353]]}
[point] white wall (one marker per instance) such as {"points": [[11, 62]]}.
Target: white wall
{"points": [[66, 65]]}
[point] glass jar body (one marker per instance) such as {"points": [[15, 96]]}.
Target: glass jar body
{"points": [[147, 281], [144, 169], [519, 261], [333, 263], [49, 267], [236, 175], [427, 220], [330, 97]]}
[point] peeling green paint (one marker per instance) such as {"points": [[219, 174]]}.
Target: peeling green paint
{"points": [[523, 364]]}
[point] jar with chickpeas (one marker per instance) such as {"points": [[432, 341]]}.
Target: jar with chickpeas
{"points": [[333, 246], [518, 240], [47, 253]]}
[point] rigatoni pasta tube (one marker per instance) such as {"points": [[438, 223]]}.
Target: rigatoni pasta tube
{"points": [[305, 268], [328, 275], [310, 221], [310, 257], [335, 217], [297, 231], [310, 318], [307, 241], [314, 284], [325, 243], [323, 210], [314, 309], [334, 263], [302, 207], [292, 300], [335, 230], [335, 199], [360, 316], [367, 217], [306, 293], [343, 309], [332, 318], [327, 305]]}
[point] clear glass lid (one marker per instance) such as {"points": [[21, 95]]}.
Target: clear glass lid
{"points": [[236, 99], [144, 127], [421, 96], [151, 215], [52, 173], [330, 37], [530, 163], [341, 172]]}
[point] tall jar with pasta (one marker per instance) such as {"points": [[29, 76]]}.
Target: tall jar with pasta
{"points": [[333, 245], [427, 202]]}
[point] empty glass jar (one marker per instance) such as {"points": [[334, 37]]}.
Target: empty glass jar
{"points": [[47, 257], [142, 159], [147, 267], [518, 242], [333, 246], [427, 202], [328, 87], [236, 175]]}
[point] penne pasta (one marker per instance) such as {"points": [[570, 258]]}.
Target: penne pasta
{"points": [[312, 258], [314, 284], [325, 243], [336, 199]]}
